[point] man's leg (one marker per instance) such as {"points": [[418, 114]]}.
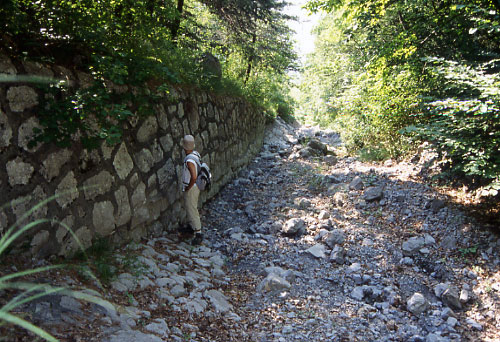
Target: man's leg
{"points": [[191, 206]]}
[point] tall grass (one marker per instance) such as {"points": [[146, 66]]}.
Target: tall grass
{"points": [[25, 291]]}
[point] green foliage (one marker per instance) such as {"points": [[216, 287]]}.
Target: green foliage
{"points": [[144, 43], [385, 69], [99, 260], [365, 102], [466, 130], [468, 251]]}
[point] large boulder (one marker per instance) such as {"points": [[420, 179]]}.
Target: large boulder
{"points": [[373, 193], [294, 226], [273, 283], [317, 146], [413, 245], [417, 304]]}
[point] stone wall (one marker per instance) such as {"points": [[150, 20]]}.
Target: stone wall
{"points": [[125, 191]]}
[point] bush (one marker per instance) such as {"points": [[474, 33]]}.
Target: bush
{"points": [[465, 128]]}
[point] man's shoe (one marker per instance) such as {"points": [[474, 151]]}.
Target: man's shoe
{"points": [[198, 238], [186, 230]]}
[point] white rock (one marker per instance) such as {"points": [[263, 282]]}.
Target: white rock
{"points": [[464, 296], [196, 306], [429, 240], [440, 288], [273, 283], [178, 291], [474, 324], [159, 327], [133, 336], [318, 251], [417, 304], [323, 215], [294, 226], [218, 300], [335, 237], [412, 245], [452, 321], [355, 267], [125, 282], [358, 293]]}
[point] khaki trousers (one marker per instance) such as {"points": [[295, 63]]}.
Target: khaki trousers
{"points": [[191, 206]]}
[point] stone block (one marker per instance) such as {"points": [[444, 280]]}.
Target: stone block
{"points": [[148, 129], [152, 181], [194, 119], [212, 128], [21, 98], [62, 230], [5, 131], [176, 129], [180, 111], [205, 139], [134, 180], [139, 196], [6, 66], [162, 117], [67, 190], [82, 242], [123, 162], [107, 151], [167, 142], [19, 172], [144, 160], [156, 151], [103, 219], [98, 185], [40, 239], [22, 205], [38, 69], [51, 167], [124, 212], [25, 134], [166, 175], [211, 111], [185, 127]]}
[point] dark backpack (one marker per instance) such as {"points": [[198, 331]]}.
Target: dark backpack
{"points": [[204, 178]]}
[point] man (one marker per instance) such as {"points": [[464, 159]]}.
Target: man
{"points": [[189, 188]]}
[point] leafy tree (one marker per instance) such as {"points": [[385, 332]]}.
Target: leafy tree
{"points": [[386, 65], [258, 31], [134, 42]]}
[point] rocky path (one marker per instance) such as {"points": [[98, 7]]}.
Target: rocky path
{"points": [[303, 246], [320, 249]]}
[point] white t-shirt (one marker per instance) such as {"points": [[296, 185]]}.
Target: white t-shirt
{"points": [[186, 175]]}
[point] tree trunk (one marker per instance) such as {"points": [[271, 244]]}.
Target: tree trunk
{"points": [[174, 29], [250, 60]]}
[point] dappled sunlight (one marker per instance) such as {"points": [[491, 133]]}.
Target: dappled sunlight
{"points": [[352, 287]]}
